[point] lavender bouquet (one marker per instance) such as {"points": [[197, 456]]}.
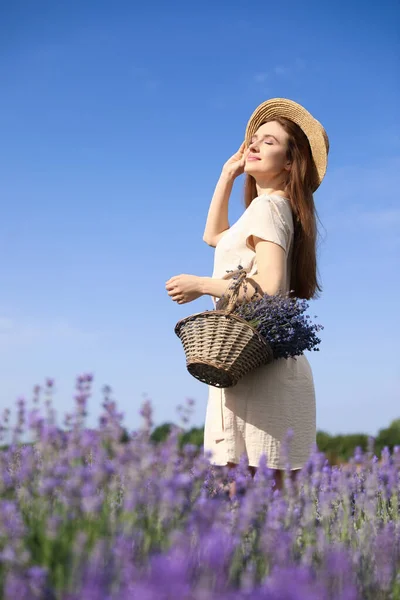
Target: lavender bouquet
{"points": [[280, 320]]}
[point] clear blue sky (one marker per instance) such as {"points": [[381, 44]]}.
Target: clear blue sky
{"points": [[115, 120]]}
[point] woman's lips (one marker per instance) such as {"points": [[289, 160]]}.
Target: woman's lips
{"points": [[253, 158]]}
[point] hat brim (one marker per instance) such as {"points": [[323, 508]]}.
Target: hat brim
{"points": [[316, 134]]}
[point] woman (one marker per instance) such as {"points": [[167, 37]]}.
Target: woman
{"points": [[284, 157]]}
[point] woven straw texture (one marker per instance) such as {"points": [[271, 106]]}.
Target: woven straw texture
{"points": [[221, 347], [315, 132]]}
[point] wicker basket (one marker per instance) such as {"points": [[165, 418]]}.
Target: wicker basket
{"points": [[221, 347]]}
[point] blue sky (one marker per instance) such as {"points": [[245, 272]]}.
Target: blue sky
{"points": [[115, 121]]}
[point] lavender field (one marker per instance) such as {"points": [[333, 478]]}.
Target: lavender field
{"points": [[95, 515]]}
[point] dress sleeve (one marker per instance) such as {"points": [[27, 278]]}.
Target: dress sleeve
{"points": [[266, 221]]}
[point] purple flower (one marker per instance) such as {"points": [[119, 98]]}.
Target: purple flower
{"points": [[97, 518], [279, 319]]}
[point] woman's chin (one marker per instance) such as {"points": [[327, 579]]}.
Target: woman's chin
{"points": [[251, 169]]}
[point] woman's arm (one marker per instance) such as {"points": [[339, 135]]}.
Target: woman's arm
{"points": [[271, 266], [217, 219]]}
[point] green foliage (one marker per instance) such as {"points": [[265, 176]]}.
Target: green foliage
{"points": [[388, 437], [161, 433], [339, 448], [124, 439], [195, 436]]}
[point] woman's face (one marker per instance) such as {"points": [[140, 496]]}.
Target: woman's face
{"points": [[266, 158]]}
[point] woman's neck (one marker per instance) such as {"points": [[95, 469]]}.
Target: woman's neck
{"points": [[270, 191]]}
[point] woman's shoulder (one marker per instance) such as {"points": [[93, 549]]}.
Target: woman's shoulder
{"points": [[278, 205]]}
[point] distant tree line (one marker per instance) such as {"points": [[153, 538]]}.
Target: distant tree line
{"points": [[338, 448]]}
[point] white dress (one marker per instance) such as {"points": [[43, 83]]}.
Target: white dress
{"points": [[253, 417]]}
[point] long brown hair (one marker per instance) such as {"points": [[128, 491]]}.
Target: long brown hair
{"points": [[298, 189]]}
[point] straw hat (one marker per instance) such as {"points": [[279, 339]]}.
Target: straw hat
{"points": [[316, 134]]}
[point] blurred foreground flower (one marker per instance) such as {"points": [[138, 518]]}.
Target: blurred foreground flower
{"points": [[110, 514]]}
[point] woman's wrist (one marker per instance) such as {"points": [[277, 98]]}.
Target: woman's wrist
{"points": [[211, 286], [203, 285], [227, 177]]}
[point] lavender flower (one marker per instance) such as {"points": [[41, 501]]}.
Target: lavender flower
{"points": [[83, 515], [279, 319]]}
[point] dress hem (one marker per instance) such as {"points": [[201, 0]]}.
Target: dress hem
{"points": [[269, 466]]}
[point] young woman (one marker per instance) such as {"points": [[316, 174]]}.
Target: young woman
{"points": [[284, 158]]}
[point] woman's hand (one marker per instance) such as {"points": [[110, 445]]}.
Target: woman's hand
{"points": [[184, 288], [235, 165]]}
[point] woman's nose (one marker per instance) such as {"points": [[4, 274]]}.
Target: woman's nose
{"points": [[253, 146]]}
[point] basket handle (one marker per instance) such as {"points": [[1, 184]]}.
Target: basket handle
{"points": [[233, 295]]}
